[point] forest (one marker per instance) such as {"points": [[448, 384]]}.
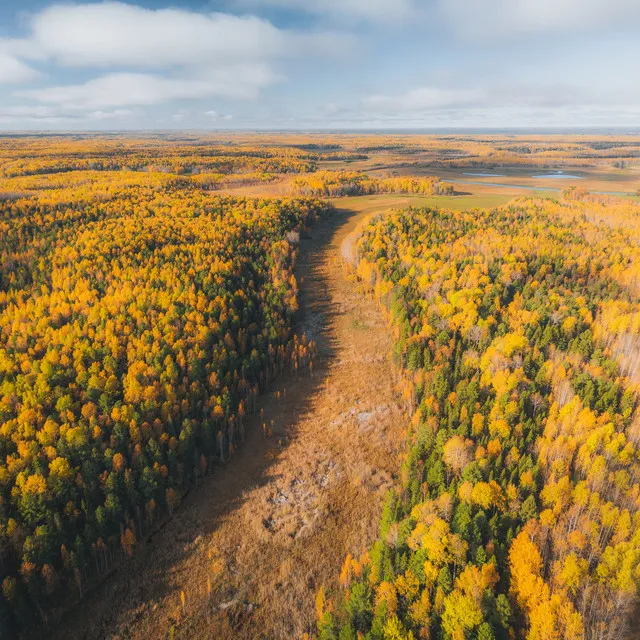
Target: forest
{"points": [[352, 183], [152, 309], [518, 511], [138, 327]]}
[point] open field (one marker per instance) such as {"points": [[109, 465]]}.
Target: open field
{"points": [[384, 203]]}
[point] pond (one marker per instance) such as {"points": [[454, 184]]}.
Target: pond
{"points": [[529, 187], [557, 175], [503, 185], [486, 175]]}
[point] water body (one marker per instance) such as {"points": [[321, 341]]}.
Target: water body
{"points": [[504, 185], [530, 187], [555, 176], [486, 175]]}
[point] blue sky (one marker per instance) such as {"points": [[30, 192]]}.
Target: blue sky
{"points": [[319, 64]]}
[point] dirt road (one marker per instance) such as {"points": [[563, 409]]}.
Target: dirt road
{"points": [[250, 548]]}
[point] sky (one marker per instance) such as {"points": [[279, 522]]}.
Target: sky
{"points": [[319, 64]]}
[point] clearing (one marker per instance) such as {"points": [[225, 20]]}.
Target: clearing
{"points": [[246, 552]]}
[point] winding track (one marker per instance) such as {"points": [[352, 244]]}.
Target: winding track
{"points": [[278, 520]]}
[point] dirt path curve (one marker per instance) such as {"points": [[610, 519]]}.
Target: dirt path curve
{"points": [[250, 548]]}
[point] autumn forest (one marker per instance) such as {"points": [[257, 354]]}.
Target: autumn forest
{"points": [[331, 387]]}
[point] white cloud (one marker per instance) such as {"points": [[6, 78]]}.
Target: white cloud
{"points": [[14, 71], [497, 98], [477, 19], [116, 34], [214, 115], [499, 105], [424, 99], [55, 114], [513, 18], [26, 111], [116, 114], [152, 56], [125, 89], [123, 55]]}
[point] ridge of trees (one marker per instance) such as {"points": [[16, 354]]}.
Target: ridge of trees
{"points": [[140, 318], [518, 509], [352, 183]]}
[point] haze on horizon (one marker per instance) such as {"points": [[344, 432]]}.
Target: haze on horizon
{"points": [[318, 64]]}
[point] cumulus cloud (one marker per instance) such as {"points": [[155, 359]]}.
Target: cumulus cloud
{"points": [[155, 56], [214, 115], [141, 89], [116, 34], [98, 59], [14, 71]]}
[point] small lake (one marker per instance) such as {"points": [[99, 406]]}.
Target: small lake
{"points": [[530, 187], [486, 175], [503, 185], [557, 176]]}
